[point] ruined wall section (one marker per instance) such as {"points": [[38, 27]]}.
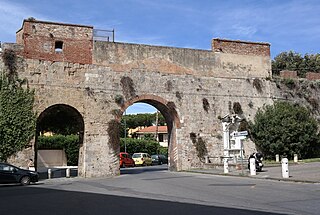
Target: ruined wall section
{"points": [[56, 41], [204, 63]]}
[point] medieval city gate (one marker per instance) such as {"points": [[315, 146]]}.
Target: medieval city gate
{"points": [[193, 89]]}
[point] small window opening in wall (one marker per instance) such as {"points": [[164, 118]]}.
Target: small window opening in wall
{"points": [[58, 46]]}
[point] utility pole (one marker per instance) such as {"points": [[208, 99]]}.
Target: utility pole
{"points": [[157, 119]]}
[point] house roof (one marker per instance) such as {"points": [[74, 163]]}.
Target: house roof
{"points": [[153, 129]]}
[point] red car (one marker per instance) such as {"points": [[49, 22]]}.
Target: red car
{"points": [[126, 160]]}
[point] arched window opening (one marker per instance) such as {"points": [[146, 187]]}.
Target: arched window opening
{"points": [[58, 47]]}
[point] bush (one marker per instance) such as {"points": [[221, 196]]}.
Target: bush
{"points": [[70, 144], [285, 129], [139, 145]]}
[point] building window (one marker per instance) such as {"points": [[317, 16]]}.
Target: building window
{"points": [[58, 46], [160, 137]]}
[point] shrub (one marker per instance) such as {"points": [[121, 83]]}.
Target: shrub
{"points": [[285, 128], [70, 144], [139, 145]]}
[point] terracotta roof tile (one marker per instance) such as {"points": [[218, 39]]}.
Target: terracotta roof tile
{"points": [[152, 129]]}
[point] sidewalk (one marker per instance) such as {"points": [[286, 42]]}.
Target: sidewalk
{"points": [[300, 172]]}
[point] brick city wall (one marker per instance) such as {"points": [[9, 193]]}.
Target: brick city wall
{"points": [[288, 74], [241, 47], [41, 38]]}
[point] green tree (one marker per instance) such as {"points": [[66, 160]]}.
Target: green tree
{"points": [[286, 61], [286, 129], [17, 119], [135, 120], [295, 62], [139, 145]]}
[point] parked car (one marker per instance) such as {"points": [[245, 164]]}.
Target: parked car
{"points": [[126, 160], [12, 174], [159, 159], [142, 159]]}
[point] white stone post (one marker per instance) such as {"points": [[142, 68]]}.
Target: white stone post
{"points": [[68, 173], [295, 158], [225, 165], [253, 166], [226, 146], [277, 158], [206, 159], [285, 168], [49, 173], [226, 138]]}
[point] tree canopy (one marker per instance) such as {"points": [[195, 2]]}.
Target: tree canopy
{"points": [[136, 120], [296, 62], [286, 129], [17, 119]]}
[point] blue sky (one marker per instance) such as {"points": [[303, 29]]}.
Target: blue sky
{"points": [[286, 24]]}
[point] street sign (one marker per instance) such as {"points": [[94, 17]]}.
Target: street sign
{"points": [[240, 133]]}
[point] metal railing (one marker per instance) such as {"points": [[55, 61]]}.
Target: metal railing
{"points": [[103, 35]]}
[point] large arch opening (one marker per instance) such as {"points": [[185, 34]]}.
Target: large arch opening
{"points": [[172, 122], [59, 138]]}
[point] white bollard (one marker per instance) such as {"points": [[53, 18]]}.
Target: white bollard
{"points": [[277, 158], [68, 172], [49, 173], [295, 158], [253, 166], [206, 159], [225, 165], [285, 168]]}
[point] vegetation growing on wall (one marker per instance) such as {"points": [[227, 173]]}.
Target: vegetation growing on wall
{"points": [[237, 109], [285, 129], [169, 85], [69, 143], [200, 146], [119, 100], [172, 108], [114, 133], [250, 104], [10, 61], [17, 119], [205, 104], [257, 84], [290, 83], [179, 95], [127, 87]]}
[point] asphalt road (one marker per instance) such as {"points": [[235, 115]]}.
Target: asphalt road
{"points": [[154, 190]]}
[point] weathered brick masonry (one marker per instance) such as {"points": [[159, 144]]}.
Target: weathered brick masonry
{"points": [[192, 88]]}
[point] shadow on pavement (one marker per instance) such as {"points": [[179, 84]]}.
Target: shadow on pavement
{"points": [[35, 200]]}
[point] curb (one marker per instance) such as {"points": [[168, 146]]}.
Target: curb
{"points": [[257, 177]]}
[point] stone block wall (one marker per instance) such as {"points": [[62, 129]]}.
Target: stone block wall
{"points": [[169, 60], [176, 81]]}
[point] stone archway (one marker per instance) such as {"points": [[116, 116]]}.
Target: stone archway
{"points": [[60, 119], [168, 110]]}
